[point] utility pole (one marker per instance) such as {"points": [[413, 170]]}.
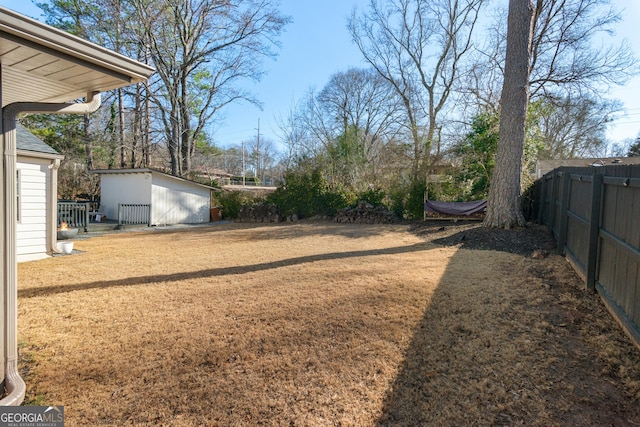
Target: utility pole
{"points": [[258, 165], [243, 169]]}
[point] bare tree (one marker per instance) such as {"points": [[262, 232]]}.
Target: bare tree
{"points": [[565, 62], [292, 135], [565, 54], [572, 128], [261, 157], [364, 107], [634, 148], [570, 56], [201, 50], [418, 46], [353, 116], [346, 125], [504, 208]]}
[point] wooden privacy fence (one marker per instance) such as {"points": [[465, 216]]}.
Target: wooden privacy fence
{"points": [[129, 214], [594, 213], [75, 214]]}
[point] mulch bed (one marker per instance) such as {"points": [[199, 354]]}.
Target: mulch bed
{"points": [[472, 235]]}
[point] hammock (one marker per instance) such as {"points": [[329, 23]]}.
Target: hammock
{"points": [[455, 208]]}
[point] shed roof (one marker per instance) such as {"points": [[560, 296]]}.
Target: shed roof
{"points": [[29, 142], [151, 171]]}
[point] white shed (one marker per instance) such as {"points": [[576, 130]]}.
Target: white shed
{"points": [[173, 200], [37, 173]]}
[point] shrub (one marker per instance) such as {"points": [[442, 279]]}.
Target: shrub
{"points": [[231, 201], [414, 205], [374, 197], [407, 200], [330, 202], [306, 194], [396, 202]]}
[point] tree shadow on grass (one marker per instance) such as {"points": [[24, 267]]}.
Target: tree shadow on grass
{"points": [[492, 352], [215, 272], [278, 231]]}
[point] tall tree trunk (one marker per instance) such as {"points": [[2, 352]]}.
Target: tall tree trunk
{"points": [[123, 152], [504, 209], [88, 145], [146, 122], [174, 143], [185, 125], [113, 140], [146, 135], [136, 129]]}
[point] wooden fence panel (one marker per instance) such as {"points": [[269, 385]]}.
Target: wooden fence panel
{"points": [[633, 296], [607, 264], [578, 222], [618, 277], [577, 245], [545, 199], [594, 214]]}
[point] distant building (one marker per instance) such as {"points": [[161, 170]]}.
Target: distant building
{"points": [[173, 200], [545, 166]]}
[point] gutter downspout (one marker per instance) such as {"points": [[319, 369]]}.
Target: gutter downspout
{"points": [[14, 384], [53, 207]]}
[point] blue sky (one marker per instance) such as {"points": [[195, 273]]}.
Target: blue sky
{"points": [[317, 45]]}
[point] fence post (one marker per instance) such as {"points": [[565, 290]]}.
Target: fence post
{"points": [[564, 207], [594, 230]]}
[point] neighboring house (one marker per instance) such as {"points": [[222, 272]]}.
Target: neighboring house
{"points": [[545, 166], [173, 200], [37, 174], [221, 176]]}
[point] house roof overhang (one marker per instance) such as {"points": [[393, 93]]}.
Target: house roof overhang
{"points": [[39, 155], [43, 64]]}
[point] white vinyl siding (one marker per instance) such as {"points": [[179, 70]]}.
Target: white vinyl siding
{"points": [[31, 230], [123, 188], [178, 202], [173, 200]]}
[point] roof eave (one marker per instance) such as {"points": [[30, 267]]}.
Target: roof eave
{"points": [[39, 155], [150, 171], [53, 38]]}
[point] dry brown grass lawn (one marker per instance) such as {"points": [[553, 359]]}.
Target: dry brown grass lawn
{"points": [[318, 324]]}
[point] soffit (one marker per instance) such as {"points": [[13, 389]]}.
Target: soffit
{"points": [[43, 64]]}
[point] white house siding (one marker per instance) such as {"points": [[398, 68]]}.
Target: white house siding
{"points": [[124, 188], [178, 202], [32, 228]]}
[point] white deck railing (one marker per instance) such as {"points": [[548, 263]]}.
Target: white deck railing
{"points": [[129, 214]]}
